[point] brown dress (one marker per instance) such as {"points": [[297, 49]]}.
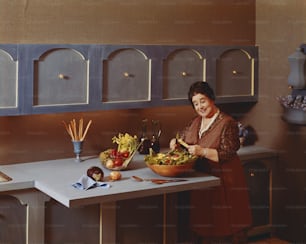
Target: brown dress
{"points": [[222, 210]]}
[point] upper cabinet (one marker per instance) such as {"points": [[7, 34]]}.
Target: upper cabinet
{"points": [[51, 78], [236, 74], [181, 67], [60, 78], [9, 83], [126, 77], [56, 78]]}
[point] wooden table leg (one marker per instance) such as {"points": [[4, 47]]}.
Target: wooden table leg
{"points": [[108, 223]]}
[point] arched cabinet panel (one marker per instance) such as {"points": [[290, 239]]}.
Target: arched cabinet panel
{"points": [[235, 76], [56, 77], [9, 83], [181, 68], [60, 78], [126, 76]]}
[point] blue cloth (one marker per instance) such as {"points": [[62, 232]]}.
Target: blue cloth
{"points": [[85, 183]]}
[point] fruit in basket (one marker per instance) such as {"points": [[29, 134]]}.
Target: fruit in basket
{"points": [[118, 158]]}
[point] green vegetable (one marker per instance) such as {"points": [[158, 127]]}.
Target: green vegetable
{"points": [[126, 142], [173, 157]]}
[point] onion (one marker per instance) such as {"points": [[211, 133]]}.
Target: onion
{"points": [[115, 175]]}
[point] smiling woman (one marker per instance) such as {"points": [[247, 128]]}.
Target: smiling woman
{"points": [[221, 213]]}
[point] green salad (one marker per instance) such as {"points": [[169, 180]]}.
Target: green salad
{"points": [[173, 157]]}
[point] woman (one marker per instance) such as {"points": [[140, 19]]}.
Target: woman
{"points": [[221, 213]]}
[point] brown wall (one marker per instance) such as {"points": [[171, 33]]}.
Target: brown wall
{"points": [[41, 137], [280, 29], [137, 21]]}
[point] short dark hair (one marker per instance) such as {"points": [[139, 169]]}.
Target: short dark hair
{"points": [[201, 87]]}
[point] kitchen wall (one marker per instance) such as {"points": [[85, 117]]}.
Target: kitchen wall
{"points": [[277, 28], [41, 137], [280, 29]]}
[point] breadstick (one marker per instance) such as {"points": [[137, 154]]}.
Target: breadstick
{"points": [[71, 133], [81, 128], [67, 129], [86, 130]]}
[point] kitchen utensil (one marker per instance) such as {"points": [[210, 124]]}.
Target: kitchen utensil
{"points": [[156, 180], [181, 141]]}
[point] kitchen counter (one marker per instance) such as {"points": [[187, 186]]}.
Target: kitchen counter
{"points": [[36, 182], [55, 178]]}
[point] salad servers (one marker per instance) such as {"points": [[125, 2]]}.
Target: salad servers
{"points": [[156, 180]]}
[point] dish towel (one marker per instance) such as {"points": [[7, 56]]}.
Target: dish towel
{"points": [[85, 183]]}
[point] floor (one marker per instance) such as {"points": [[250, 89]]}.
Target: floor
{"points": [[271, 240]]}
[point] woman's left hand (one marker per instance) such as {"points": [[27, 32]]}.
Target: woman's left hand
{"points": [[195, 150]]}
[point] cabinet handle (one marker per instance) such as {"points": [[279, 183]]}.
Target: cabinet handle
{"points": [[62, 76], [184, 73], [126, 74], [234, 72]]}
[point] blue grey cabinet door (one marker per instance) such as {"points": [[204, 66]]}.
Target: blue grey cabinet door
{"points": [[61, 78], [181, 68], [8, 83], [127, 76], [236, 75], [55, 77]]}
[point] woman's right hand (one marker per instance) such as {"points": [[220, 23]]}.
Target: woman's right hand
{"points": [[173, 144]]}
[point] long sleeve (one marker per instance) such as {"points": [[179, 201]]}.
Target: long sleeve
{"points": [[229, 143]]}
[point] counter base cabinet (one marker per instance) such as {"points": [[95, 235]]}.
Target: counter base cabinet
{"points": [[71, 225], [259, 180], [12, 220], [22, 215], [140, 220]]}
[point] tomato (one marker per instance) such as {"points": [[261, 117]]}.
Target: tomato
{"points": [[125, 154], [114, 153], [118, 162]]}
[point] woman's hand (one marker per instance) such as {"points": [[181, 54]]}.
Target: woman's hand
{"points": [[209, 153], [173, 144], [197, 150]]}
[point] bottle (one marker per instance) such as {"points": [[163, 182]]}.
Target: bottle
{"points": [[155, 137], [146, 143]]}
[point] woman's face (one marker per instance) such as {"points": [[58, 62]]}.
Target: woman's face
{"points": [[204, 106]]}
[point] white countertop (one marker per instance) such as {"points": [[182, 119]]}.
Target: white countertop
{"points": [[55, 179]]}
